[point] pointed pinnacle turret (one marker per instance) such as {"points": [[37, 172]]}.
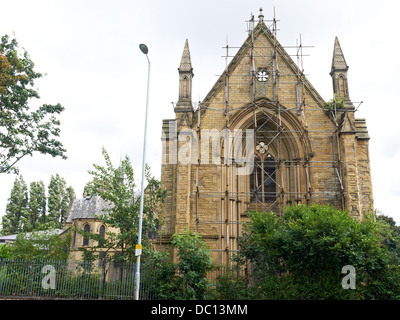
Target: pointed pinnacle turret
{"points": [[338, 60], [185, 70], [186, 63], [339, 75]]}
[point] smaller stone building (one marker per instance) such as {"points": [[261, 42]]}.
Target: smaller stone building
{"points": [[85, 214]]}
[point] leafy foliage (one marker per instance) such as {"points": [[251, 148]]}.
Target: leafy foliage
{"points": [[163, 282], [186, 279], [305, 249], [60, 197], [23, 131], [16, 209], [26, 214], [41, 245], [230, 285], [117, 187], [194, 261], [5, 251], [335, 104], [391, 237], [37, 206]]}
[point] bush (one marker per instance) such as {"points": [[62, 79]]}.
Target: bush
{"points": [[187, 278], [194, 261], [162, 273], [5, 251], [230, 286], [300, 255]]}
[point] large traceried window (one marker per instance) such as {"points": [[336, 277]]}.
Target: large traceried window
{"points": [[278, 148]]}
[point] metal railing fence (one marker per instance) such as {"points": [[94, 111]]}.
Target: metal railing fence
{"points": [[72, 279]]}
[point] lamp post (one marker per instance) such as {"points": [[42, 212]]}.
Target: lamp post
{"points": [[145, 50]]}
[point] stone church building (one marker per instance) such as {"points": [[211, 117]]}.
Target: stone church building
{"points": [[262, 138]]}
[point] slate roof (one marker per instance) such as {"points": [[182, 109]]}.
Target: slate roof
{"points": [[9, 238], [13, 237], [87, 208]]}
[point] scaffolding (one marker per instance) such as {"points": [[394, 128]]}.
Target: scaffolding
{"points": [[277, 179]]}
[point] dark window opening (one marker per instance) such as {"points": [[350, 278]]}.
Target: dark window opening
{"points": [[102, 232], [265, 173], [85, 237]]}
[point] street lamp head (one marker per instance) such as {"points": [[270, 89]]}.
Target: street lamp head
{"points": [[143, 48]]}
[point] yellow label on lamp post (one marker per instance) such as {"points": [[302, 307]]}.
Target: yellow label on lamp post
{"points": [[138, 250]]}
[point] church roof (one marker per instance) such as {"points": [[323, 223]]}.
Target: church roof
{"points": [[338, 60], [186, 63], [87, 208]]}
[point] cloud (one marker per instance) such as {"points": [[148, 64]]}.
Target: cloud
{"points": [[89, 49]]}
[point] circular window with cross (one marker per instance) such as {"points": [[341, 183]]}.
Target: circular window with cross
{"points": [[262, 75]]}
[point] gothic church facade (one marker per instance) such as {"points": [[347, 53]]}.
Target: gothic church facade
{"points": [[263, 138]]}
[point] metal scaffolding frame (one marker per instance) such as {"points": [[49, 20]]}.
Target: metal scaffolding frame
{"points": [[267, 123]]}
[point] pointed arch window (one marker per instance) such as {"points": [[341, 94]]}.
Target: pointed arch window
{"points": [[86, 229], [102, 231], [263, 177], [74, 239], [342, 86], [185, 87]]}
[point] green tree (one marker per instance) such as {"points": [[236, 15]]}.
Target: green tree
{"points": [[41, 245], [300, 255], [187, 278], [23, 131], [60, 197], [117, 187], [163, 277], [15, 219], [5, 251], [27, 214], [37, 206], [194, 261], [391, 237]]}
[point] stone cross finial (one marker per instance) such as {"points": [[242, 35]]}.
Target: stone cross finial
{"points": [[261, 16]]}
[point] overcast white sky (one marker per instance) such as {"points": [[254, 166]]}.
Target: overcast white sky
{"points": [[89, 50]]}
